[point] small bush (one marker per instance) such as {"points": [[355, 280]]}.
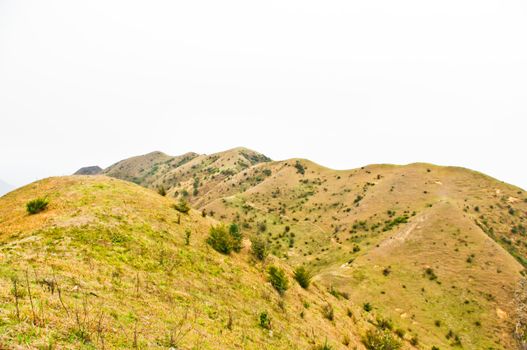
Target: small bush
{"points": [[328, 312], [380, 340], [400, 333], [220, 239], [367, 307], [429, 272], [259, 248], [37, 205], [278, 279], [384, 323], [182, 206], [188, 233], [236, 236], [162, 191], [265, 320], [303, 277], [414, 340], [300, 168]]}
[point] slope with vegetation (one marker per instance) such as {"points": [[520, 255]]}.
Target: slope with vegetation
{"points": [[435, 255], [99, 263]]}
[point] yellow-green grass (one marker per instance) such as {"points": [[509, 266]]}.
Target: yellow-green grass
{"points": [[117, 254]]}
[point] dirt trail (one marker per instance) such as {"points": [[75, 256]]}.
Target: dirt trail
{"points": [[402, 235]]}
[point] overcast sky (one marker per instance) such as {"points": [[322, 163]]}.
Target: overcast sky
{"points": [[343, 83]]}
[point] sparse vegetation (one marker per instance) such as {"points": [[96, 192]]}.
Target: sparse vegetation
{"points": [[182, 206], [300, 168], [380, 340], [328, 312], [141, 256]]}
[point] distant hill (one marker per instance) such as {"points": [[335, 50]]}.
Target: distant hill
{"points": [[89, 170], [5, 187]]}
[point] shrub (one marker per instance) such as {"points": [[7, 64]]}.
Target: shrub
{"points": [[384, 323], [328, 312], [414, 340], [400, 333], [300, 168], [380, 340], [265, 320], [162, 191], [429, 272], [37, 205], [236, 236], [367, 307], [395, 222], [259, 248], [220, 239], [262, 226], [182, 206], [303, 277], [338, 294], [278, 279], [188, 233]]}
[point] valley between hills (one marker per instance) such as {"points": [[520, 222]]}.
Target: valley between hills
{"points": [[236, 251]]}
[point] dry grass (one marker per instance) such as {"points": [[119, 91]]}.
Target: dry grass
{"points": [[107, 267]]}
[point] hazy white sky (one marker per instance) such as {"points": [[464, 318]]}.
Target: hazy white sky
{"points": [[343, 83]]}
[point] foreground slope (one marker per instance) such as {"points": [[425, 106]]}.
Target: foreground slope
{"points": [[106, 266]]}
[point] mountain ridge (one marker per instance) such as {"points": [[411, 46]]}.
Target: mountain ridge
{"points": [[401, 239]]}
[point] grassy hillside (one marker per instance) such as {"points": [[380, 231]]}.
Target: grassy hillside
{"points": [[107, 265], [440, 251], [417, 256], [189, 175]]}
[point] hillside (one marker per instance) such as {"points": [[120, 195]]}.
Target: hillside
{"points": [[190, 174], [106, 265], [440, 251]]}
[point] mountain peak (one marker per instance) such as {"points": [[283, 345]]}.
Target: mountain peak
{"points": [[89, 170]]}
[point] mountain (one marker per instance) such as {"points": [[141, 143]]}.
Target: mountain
{"points": [[89, 170], [5, 187], [418, 256], [180, 173], [438, 250]]}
